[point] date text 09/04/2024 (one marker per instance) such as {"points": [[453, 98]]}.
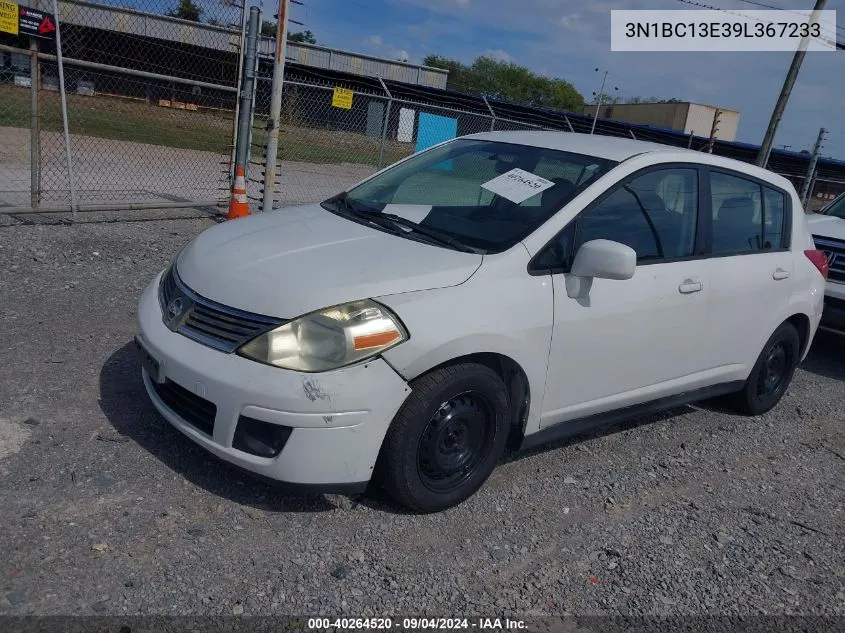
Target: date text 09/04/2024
{"points": [[416, 624]]}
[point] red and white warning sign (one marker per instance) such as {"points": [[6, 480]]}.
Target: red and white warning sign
{"points": [[36, 23]]}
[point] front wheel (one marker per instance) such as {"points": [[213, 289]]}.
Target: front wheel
{"points": [[772, 372], [446, 439]]}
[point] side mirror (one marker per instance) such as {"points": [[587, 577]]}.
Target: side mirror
{"points": [[604, 259]]}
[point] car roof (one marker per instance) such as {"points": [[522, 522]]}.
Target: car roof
{"points": [[620, 149]]}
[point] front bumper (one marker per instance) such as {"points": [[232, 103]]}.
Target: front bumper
{"points": [[338, 418]]}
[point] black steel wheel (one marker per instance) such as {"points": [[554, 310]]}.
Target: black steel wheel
{"points": [[446, 439], [455, 441], [772, 373]]}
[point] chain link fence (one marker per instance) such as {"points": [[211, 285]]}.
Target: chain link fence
{"points": [[151, 93], [326, 146], [152, 96]]}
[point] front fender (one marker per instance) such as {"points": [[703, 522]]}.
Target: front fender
{"points": [[512, 317]]}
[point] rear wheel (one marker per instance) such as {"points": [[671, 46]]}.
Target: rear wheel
{"points": [[772, 372], [446, 439]]}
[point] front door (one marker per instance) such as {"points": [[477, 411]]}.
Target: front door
{"points": [[631, 341]]}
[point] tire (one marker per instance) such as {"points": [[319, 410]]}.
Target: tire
{"points": [[446, 439], [771, 374]]}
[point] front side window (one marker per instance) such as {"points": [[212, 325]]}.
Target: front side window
{"points": [[747, 216], [447, 190], [654, 213]]}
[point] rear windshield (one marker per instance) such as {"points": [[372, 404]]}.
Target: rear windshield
{"points": [[481, 193]]}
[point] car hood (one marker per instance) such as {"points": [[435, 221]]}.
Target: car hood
{"points": [[292, 261], [826, 226]]}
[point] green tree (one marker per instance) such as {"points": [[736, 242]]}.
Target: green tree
{"points": [[186, 10], [651, 100], [508, 81], [268, 29], [304, 37]]}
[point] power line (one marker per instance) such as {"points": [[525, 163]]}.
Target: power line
{"points": [[839, 45], [768, 6]]}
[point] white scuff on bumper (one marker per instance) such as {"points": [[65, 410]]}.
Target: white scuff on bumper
{"points": [[338, 418]]}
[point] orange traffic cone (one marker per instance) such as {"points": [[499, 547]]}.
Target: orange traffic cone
{"points": [[238, 205]]}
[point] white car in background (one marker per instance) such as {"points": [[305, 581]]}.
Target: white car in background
{"points": [[828, 229], [512, 287]]}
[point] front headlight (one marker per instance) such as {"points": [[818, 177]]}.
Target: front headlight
{"points": [[329, 338]]}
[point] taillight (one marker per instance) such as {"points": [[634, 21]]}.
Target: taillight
{"points": [[819, 260]]}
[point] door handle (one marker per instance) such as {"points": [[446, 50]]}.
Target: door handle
{"points": [[779, 274], [689, 286]]}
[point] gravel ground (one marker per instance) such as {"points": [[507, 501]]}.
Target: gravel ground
{"points": [[104, 509]]}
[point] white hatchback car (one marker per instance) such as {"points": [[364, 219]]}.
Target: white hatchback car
{"points": [[499, 288]]}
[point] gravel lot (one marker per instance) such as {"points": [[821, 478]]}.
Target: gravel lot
{"points": [[104, 509]]}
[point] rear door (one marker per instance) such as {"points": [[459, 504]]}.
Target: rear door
{"points": [[750, 268]]}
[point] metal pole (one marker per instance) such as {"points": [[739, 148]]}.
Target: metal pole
{"points": [[234, 157], [789, 82], [254, 90], [245, 111], [571, 129], [598, 105], [34, 124], [275, 107], [689, 143], [385, 123], [492, 113], [63, 95], [811, 168]]}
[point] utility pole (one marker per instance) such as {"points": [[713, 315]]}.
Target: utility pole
{"points": [[806, 189], [789, 82], [713, 129], [275, 106]]}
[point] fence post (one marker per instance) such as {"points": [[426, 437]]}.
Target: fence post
{"points": [[63, 95], [571, 129], [385, 124], [236, 121], [492, 114], [275, 107], [245, 111], [34, 124]]}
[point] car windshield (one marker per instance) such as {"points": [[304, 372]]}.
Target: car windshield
{"points": [[837, 208], [479, 195]]}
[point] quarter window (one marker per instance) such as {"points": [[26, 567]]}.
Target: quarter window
{"points": [[747, 216], [655, 214]]}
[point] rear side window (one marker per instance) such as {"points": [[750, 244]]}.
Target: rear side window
{"points": [[747, 216]]}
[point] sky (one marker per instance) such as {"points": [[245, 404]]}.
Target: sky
{"points": [[569, 39]]}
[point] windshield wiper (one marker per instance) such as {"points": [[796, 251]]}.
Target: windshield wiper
{"points": [[391, 221], [433, 234]]}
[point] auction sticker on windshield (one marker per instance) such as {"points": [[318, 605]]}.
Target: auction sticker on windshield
{"points": [[517, 185]]}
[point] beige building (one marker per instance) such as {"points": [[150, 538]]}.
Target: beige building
{"points": [[690, 118]]}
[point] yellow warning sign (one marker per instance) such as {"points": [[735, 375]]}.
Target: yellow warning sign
{"points": [[342, 98], [8, 17]]}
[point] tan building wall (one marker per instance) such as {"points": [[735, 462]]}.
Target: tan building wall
{"points": [[684, 117]]}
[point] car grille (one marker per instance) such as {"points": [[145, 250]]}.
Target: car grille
{"points": [[196, 411], [835, 251], [206, 321]]}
